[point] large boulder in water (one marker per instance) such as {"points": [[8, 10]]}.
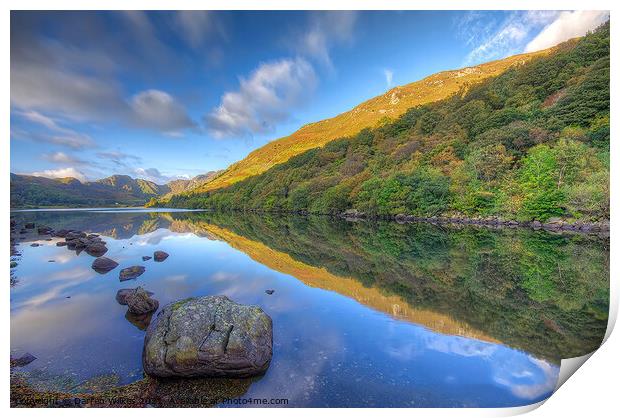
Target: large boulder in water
{"points": [[208, 336]]}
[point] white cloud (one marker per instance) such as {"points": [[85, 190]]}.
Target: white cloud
{"points": [[62, 158], [567, 25], [262, 100], [389, 75], [327, 29], [61, 173], [159, 110]]}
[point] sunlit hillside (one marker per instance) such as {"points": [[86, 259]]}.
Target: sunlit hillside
{"points": [[368, 114]]}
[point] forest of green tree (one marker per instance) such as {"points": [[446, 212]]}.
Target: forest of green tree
{"points": [[532, 143]]}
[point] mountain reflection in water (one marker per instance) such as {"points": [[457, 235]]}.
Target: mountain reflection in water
{"points": [[365, 314]]}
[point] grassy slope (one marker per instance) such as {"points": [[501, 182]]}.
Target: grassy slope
{"points": [[368, 114]]}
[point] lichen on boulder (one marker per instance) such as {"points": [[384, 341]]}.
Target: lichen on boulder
{"points": [[208, 336]]}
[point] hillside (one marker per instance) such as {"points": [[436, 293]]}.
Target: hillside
{"points": [[526, 141], [369, 114]]}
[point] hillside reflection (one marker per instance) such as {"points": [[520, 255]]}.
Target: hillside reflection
{"points": [[542, 293]]}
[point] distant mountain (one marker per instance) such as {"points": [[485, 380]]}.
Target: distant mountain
{"points": [[33, 192], [180, 186], [523, 138]]}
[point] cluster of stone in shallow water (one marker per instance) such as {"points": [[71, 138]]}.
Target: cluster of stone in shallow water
{"points": [[237, 335]]}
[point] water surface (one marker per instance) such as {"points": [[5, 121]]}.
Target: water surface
{"points": [[364, 314]]}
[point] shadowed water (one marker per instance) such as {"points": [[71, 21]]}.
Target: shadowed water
{"points": [[364, 314]]}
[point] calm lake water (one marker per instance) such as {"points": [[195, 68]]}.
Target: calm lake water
{"points": [[364, 313]]}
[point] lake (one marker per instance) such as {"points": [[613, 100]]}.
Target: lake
{"points": [[364, 313]]}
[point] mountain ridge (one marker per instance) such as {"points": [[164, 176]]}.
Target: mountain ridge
{"points": [[115, 190]]}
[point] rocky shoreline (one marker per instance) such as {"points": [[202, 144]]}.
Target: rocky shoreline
{"points": [[555, 224], [552, 224]]}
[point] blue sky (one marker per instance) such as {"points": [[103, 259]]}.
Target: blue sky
{"points": [[165, 95]]}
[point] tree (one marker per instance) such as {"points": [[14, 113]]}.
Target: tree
{"points": [[538, 179]]}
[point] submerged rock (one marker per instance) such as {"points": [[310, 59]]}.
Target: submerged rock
{"points": [[208, 336], [62, 233], [140, 303], [131, 273], [269, 291], [121, 295], [29, 225], [44, 230], [103, 265], [160, 255], [139, 321], [146, 257]]}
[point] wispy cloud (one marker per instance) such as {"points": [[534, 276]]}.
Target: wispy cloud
{"points": [[567, 25], [197, 26], [54, 133], [496, 39], [62, 158], [326, 29], [262, 100], [522, 31], [389, 75], [119, 158]]}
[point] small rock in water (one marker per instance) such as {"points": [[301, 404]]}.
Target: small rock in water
{"points": [[146, 257], [34, 244], [160, 255], [23, 360], [269, 291], [61, 243], [96, 249], [51, 261], [140, 303], [29, 225], [121, 295], [103, 265], [131, 273]]}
